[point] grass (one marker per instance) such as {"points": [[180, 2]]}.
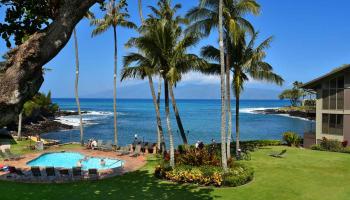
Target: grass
{"points": [[303, 174]]}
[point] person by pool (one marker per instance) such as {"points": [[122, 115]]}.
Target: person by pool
{"points": [[79, 163], [86, 158], [102, 162]]}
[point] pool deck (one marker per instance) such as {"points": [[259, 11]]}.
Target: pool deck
{"points": [[130, 164]]}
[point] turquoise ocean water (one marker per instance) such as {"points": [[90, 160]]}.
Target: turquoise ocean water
{"points": [[201, 120]]}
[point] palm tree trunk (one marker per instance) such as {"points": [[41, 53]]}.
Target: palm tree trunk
{"points": [[237, 124], [167, 113], [159, 122], [19, 130], [177, 115], [228, 95], [161, 138], [76, 87], [140, 10], [115, 86], [222, 77]]}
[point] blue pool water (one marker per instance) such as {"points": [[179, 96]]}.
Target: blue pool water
{"points": [[70, 159]]}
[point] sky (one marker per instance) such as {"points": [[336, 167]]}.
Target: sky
{"points": [[310, 38]]}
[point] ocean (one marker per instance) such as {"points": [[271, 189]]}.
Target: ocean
{"points": [[201, 120]]}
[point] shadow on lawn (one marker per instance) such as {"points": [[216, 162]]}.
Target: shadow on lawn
{"points": [[134, 185]]}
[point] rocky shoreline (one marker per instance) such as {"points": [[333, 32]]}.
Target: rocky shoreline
{"points": [[47, 125], [286, 111]]}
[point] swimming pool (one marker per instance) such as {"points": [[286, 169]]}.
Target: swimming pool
{"points": [[70, 159]]}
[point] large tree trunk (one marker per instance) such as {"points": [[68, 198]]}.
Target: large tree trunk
{"points": [[229, 113], [222, 77], [167, 113], [23, 71], [115, 87], [177, 115], [76, 87], [159, 122]]}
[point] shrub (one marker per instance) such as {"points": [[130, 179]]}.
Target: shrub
{"points": [[198, 157], [291, 138], [344, 143], [206, 175], [330, 145], [238, 175], [249, 144]]}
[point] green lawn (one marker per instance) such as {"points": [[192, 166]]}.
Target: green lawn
{"points": [[303, 174]]}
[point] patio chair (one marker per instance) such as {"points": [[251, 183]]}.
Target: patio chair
{"points": [[35, 171], [93, 173], [108, 146], [281, 154], [137, 151], [123, 151], [99, 144], [50, 171], [64, 172], [76, 171], [12, 156]]}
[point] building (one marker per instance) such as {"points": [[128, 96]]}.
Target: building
{"points": [[332, 104]]}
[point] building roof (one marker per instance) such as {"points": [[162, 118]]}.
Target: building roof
{"points": [[312, 84]]}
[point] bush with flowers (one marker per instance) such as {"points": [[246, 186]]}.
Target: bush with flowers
{"points": [[203, 168]]}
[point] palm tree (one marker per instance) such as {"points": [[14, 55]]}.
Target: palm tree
{"points": [[205, 17], [247, 62], [144, 68], [222, 77], [160, 135], [116, 15], [89, 15], [166, 12], [165, 46]]}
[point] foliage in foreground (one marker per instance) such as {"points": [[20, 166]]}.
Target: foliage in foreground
{"points": [[238, 174], [332, 145]]}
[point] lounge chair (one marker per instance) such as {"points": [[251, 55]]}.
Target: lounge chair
{"points": [[281, 154], [76, 171], [108, 146], [50, 171], [64, 172], [12, 156], [137, 151], [99, 144], [18, 172], [123, 151], [93, 173], [36, 172]]}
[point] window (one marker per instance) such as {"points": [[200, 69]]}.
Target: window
{"points": [[325, 97], [340, 99], [325, 121], [333, 99], [332, 124], [333, 94]]}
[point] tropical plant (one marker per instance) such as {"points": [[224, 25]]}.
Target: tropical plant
{"points": [[116, 15], [247, 62], [291, 138], [204, 18], [164, 48], [89, 15]]}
